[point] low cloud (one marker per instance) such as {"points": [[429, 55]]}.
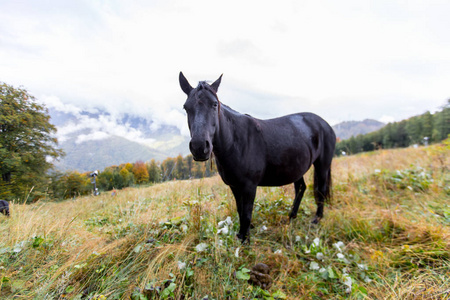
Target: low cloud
{"points": [[95, 136], [98, 125], [386, 119], [55, 103]]}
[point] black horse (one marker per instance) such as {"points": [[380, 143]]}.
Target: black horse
{"points": [[4, 207], [250, 152]]}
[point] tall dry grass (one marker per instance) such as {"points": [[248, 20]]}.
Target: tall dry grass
{"points": [[392, 220]]}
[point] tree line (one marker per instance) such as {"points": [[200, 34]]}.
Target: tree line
{"points": [[420, 130], [72, 184]]}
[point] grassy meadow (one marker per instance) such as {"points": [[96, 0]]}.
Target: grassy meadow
{"points": [[386, 235]]}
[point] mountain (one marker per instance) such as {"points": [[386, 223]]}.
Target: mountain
{"points": [[347, 129], [96, 139]]}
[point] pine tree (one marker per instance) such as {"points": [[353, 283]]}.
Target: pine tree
{"points": [[154, 171]]}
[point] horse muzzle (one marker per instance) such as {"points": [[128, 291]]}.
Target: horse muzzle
{"points": [[201, 150]]}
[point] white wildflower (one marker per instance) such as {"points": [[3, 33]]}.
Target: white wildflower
{"points": [[342, 257], [226, 222], [137, 249], [339, 245], [319, 256], [297, 238], [201, 247], [314, 266], [263, 228], [181, 265], [236, 253], [19, 246], [362, 267], [278, 251], [184, 228], [377, 171], [347, 281], [223, 230], [316, 242]]}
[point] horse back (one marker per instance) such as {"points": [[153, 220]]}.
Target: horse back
{"points": [[298, 131]]}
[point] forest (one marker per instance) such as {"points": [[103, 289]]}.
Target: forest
{"points": [[73, 184], [424, 129]]}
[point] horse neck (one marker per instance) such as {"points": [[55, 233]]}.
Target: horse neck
{"points": [[225, 134]]}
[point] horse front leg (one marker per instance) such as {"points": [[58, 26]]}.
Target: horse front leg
{"points": [[245, 198]]}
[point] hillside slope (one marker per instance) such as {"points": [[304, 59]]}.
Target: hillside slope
{"points": [[386, 236], [98, 154]]}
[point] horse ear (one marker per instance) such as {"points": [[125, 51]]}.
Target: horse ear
{"points": [[215, 85], [185, 86]]}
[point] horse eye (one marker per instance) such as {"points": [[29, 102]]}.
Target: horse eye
{"points": [[215, 104]]}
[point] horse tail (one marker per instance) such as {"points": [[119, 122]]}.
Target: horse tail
{"points": [[329, 188]]}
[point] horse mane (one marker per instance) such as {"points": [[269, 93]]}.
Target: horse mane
{"points": [[204, 85]]}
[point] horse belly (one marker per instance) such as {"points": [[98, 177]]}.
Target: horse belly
{"points": [[278, 176]]}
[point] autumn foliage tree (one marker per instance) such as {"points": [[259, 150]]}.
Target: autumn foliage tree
{"points": [[140, 172], [26, 143]]}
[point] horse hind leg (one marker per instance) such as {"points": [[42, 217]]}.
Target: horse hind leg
{"points": [[322, 189], [300, 188]]}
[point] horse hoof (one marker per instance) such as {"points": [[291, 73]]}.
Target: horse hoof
{"points": [[315, 221], [244, 239]]}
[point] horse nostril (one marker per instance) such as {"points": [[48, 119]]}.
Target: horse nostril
{"points": [[206, 147]]}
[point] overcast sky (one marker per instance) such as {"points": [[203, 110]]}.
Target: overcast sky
{"points": [[344, 60]]}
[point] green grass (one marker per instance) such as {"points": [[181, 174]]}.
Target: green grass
{"points": [[386, 236]]}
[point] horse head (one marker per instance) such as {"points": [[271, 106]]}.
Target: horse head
{"points": [[202, 107]]}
